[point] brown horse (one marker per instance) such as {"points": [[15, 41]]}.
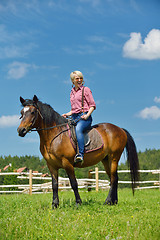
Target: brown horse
{"points": [[58, 151]]}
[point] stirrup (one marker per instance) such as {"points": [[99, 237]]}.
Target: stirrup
{"points": [[78, 158]]}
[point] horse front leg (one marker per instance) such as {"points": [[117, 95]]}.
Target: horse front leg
{"points": [[74, 186], [55, 202], [54, 174], [71, 174]]}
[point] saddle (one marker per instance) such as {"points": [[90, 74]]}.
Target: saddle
{"points": [[92, 138]]}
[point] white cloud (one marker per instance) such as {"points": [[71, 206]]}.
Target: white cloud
{"points": [[81, 50], [157, 100], [67, 82], [13, 51], [105, 41], [9, 121], [150, 113], [16, 7], [3, 33], [18, 70], [149, 50], [11, 36], [14, 44], [103, 66], [94, 3], [135, 6]]}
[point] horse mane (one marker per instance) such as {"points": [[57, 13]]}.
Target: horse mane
{"points": [[48, 113]]}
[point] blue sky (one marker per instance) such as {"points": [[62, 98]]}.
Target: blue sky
{"points": [[115, 43]]}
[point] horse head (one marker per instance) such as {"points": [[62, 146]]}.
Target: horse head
{"points": [[29, 115]]}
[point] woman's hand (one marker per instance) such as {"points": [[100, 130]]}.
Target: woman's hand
{"points": [[64, 115], [85, 117]]}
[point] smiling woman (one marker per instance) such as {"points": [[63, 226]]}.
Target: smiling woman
{"points": [[82, 106]]}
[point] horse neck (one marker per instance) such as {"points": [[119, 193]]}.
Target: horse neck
{"points": [[43, 127], [47, 131], [47, 119]]}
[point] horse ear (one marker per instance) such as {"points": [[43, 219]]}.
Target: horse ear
{"points": [[22, 100], [35, 99]]}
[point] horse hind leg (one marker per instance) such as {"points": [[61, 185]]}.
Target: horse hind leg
{"points": [[111, 169]]}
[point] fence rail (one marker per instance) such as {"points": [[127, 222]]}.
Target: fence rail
{"points": [[64, 183], [155, 182]]}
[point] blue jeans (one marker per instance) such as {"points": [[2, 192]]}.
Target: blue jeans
{"points": [[81, 127]]}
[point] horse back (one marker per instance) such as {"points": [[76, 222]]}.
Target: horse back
{"points": [[113, 136]]}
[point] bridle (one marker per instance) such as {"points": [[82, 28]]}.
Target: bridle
{"points": [[70, 122]]}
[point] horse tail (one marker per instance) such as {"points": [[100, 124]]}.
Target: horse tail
{"points": [[132, 159]]}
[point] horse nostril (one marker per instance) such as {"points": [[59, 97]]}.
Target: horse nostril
{"points": [[21, 132]]}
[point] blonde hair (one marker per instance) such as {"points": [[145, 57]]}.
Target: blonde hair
{"points": [[72, 75]]}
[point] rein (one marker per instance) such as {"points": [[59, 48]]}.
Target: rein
{"points": [[48, 128], [63, 124], [70, 122]]}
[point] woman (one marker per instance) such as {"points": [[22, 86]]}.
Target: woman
{"points": [[81, 110]]}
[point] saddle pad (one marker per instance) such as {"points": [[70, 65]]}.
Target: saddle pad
{"points": [[96, 141]]}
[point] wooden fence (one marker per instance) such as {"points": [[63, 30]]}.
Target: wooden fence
{"points": [[64, 183], [156, 183]]}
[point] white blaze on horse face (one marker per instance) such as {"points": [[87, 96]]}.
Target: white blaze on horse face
{"points": [[25, 109]]}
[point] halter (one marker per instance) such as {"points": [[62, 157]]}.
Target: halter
{"points": [[70, 122]]}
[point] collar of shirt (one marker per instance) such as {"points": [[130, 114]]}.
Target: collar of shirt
{"points": [[77, 89]]}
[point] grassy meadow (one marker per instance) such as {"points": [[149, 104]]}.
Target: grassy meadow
{"points": [[31, 217]]}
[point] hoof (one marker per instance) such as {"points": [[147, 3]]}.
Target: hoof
{"points": [[78, 203], [110, 202], [55, 204]]}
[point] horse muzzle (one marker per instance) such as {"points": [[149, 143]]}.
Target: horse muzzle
{"points": [[22, 131]]}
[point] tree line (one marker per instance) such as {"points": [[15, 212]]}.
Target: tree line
{"points": [[149, 159]]}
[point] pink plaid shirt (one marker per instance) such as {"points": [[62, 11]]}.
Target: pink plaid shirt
{"points": [[76, 100]]}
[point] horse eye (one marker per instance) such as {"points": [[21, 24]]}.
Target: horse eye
{"points": [[33, 112]]}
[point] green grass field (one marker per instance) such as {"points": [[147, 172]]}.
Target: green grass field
{"points": [[31, 217]]}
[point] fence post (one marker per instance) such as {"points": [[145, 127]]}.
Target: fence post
{"points": [[96, 172], [90, 177], [30, 182]]}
